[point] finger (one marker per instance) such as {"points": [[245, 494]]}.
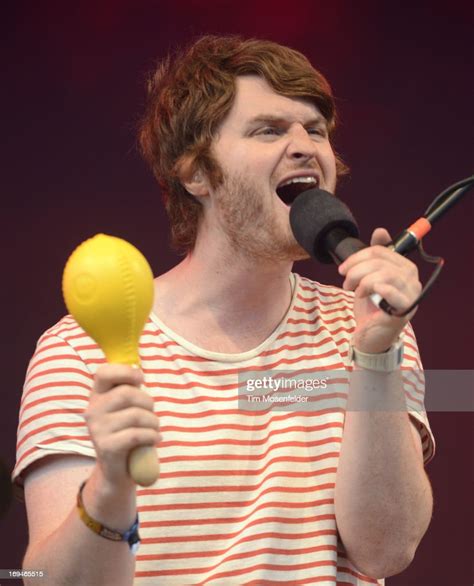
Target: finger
{"points": [[133, 417], [126, 439], [357, 272], [396, 298], [381, 237], [109, 376], [365, 284], [371, 253], [383, 269], [409, 289], [120, 398]]}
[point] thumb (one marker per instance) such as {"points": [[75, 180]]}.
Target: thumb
{"points": [[380, 236]]}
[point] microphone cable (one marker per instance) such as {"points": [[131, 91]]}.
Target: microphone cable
{"points": [[410, 239]]}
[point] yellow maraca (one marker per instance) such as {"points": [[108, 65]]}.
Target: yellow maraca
{"points": [[108, 289]]}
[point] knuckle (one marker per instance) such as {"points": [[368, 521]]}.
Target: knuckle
{"points": [[104, 373], [90, 416], [117, 374], [145, 419], [126, 394], [95, 433], [102, 370], [411, 268], [137, 418], [148, 402], [140, 398], [135, 437], [377, 250]]}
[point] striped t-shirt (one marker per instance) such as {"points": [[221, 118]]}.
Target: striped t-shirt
{"points": [[245, 496]]}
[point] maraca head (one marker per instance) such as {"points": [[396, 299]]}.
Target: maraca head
{"points": [[108, 288]]}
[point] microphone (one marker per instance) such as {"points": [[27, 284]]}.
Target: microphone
{"points": [[324, 226]]}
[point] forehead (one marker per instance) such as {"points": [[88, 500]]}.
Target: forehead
{"points": [[255, 97]]}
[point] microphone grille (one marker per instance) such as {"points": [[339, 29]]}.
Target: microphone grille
{"points": [[313, 214]]}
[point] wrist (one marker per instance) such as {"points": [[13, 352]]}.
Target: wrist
{"points": [[107, 530], [387, 361], [120, 483], [110, 503]]}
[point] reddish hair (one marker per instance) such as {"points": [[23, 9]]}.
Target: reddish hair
{"points": [[190, 94]]}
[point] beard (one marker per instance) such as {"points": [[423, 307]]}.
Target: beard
{"points": [[252, 225]]}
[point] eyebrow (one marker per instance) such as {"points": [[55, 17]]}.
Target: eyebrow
{"points": [[271, 119]]}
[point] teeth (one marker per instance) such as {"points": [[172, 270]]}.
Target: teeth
{"points": [[300, 180]]}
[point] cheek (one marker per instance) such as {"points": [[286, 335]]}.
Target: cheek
{"points": [[329, 156], [252, 162], [328, 162]]}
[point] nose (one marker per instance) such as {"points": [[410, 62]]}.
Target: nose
{"points": [[301, 145]]}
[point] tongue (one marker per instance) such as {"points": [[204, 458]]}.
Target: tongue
{"points": [[288, 193]]}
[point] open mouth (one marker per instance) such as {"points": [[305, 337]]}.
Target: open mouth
{"points": [[289, 190]]}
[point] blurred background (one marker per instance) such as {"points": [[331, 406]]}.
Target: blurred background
{"points": [[73, 78]]}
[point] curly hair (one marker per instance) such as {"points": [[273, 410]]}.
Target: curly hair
{"points": [[190, 94]]}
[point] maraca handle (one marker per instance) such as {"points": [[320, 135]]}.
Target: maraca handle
{"points": [[143, 465]]}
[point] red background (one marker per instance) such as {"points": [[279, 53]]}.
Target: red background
{"points": [[72, 91]]}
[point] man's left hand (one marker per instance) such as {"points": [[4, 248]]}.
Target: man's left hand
{"points": [[378, 269]]}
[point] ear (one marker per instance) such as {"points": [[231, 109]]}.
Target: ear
{"points": [[192, 178], [196, 184]]}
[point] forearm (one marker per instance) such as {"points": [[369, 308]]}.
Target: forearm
{"points": [[74, 554], [383, 496]]}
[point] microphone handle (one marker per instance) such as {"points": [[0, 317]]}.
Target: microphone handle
{"points": [[340, 246]]}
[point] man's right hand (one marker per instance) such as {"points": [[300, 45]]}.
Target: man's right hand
{"points": [[120, 417]]}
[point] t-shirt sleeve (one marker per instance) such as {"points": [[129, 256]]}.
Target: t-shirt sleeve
{"points": [[56, 393], [414, 386]]}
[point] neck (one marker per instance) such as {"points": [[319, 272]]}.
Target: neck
{"points": [[223, 296]]}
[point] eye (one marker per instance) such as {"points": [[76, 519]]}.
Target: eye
{"points": [[269, 131], [317, 131]]}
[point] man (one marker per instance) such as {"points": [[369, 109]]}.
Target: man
{"points": [[256, 497]]}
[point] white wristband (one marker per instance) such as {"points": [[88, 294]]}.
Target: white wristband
{"points": [[383, 362]]}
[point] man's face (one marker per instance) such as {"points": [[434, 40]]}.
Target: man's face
{"points": [[266, 141]]}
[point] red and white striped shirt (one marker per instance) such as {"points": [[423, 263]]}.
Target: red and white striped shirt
{"points": [[244, 497]]}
